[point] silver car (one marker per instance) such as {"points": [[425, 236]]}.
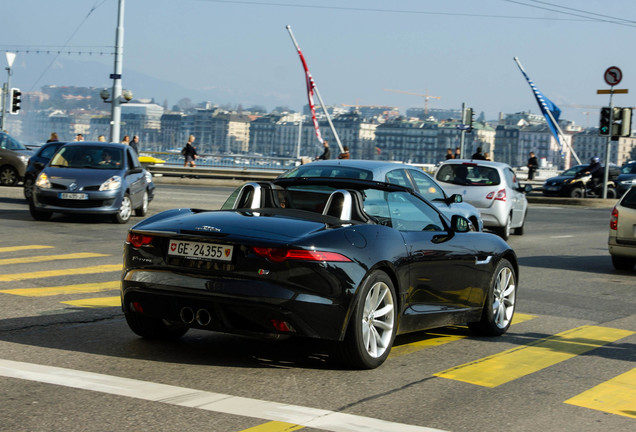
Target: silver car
{"points": [[492, 187], [622, 233], [13, 160], [396, 173]]}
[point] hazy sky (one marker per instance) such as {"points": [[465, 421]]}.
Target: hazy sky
{"points": [[240, 51]]}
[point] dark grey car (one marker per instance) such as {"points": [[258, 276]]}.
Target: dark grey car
{"points": [[93, 178], [13, 160]]}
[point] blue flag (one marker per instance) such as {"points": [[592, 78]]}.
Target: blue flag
{"points": [[545, 104]]}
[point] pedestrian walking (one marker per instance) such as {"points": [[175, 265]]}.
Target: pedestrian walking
{"points": [[345, 154], [533, 164], [189, 152], [52, 138], [135, 144], [326, 153]]}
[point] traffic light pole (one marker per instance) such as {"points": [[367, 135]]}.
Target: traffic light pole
{"points": [[609, 142]]}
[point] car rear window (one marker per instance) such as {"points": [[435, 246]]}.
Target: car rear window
{"points": [[468, 174], [330, 171], [629, 200]]}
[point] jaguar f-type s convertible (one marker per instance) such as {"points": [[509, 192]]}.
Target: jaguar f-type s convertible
{"points": [[353, 262]]}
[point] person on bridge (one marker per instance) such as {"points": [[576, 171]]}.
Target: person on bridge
{"points": [[478, 155], [533, 164], [135, 144], [189, 152], [345, 154], [326, 153]]}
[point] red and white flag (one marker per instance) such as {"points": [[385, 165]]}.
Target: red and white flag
{"points": [[310, 93]]}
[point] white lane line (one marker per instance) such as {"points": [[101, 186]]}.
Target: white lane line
{"points": [[209, 401], [562, 236]]}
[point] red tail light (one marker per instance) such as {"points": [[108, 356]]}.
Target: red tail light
{"points": [[501, 195], [279, 255], [138, 240], [614, 219]]}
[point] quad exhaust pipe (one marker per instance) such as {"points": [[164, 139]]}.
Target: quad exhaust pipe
{"points": [[188, 316]]}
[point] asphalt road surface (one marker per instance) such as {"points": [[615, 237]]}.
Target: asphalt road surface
{"points": [[68, 361]]}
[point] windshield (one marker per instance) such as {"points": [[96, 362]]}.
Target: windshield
{"points": [[572, 172], [90, 156], [8, 143], [629, 168], [468, 174], [310, 170]]}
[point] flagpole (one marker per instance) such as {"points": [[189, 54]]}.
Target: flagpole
{"points": [[315, 88], [552, 119]]}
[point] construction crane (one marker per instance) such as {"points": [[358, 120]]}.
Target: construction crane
{"points": [[426, 96]]}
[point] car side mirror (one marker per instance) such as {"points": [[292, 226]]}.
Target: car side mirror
{"points": [[456, 198], [136, 170], [460, 224]]}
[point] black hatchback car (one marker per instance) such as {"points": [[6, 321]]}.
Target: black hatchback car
{"points": [[562, 185], [627, 177], [36, 163]]}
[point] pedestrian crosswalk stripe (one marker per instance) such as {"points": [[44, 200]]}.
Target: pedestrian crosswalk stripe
{"points": [[64, 289], [274, 426], [509, 365], [440, 338], [12, 277], [98, 302], [616, 396], [23, 247], [43, 258]]}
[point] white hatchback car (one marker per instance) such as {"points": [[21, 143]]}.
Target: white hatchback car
{"points": [[492, 187], [622, 233]]}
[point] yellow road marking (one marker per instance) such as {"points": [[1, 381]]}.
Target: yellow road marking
{"points": [[274, 426], [441, 338], [65, 272], [509, 365], [23, 247], [616, 396], [42, 258], [98, 302], [64, 289]]}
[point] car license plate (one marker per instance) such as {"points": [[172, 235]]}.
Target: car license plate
{"points": [[197, 250], [552, 188], [73, 196]]}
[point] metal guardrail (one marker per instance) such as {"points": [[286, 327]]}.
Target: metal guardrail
{"points": [[235, 173]]}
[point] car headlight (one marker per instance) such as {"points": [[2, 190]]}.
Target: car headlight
{"points": [[628, 182], [148, 177], [43, 181], [112, 183]]}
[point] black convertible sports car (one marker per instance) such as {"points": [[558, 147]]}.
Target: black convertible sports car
{"points": [[350, 261]]}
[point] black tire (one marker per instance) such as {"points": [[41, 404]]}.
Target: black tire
{"points": [[39, 215], [143, 208], [623, 263], [154, 328], [370, 337], [577, 193], [500, 303], [611, 193], [28, 188], [504, 231], [8, 175], [125, 210]]}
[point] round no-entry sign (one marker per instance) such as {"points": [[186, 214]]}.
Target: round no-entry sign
{"points": [[613, 75]]}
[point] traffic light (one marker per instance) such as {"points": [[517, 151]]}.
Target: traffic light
{"points": [[16, 98], [626, 122], [468, 119], [604, 124]]}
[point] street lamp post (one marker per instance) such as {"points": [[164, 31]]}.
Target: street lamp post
{"points": [[115, 118], [6, 87]]}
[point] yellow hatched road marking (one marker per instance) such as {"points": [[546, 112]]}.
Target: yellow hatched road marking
{"points": [[42, 258], [616, 396], [441, 338], [64, 272], [274, 426], [23, 247], [64, 289], [509, 365], [97, 302]]}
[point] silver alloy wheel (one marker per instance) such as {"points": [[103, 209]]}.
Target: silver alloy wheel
{"points": [[378, 319], [504, 294], [8, 176], [126, 208]]}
